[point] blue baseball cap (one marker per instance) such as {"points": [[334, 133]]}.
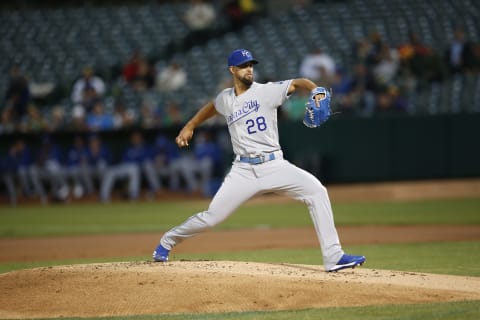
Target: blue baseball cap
{"points": [[240, 56]]}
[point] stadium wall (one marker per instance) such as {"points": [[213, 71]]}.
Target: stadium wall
{"points": [[388, 149]]}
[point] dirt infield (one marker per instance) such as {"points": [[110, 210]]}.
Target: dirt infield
{"points": [[137, 288], [116, 289]]}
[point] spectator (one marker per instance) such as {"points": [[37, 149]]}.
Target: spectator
{"points": [[251, 9], [361, 51], [150, 116], [295, 106], [18, 96], [79, 122], [200, 15], [349, 104], [173, 115], [386, 68], [57, 119], [172, 78], [34, 121], [145, 77], [342, 83], [88, 89], [318, 66], [419, 64], [139, 73], [130, 70], [199, 18], [123, 117], [389, 101], [413, 48], [241, 12], [458, 53], [235, 14], [376, 43], [7, 121], [42, 91], [98, 119], [345, 101], [363, 92]]}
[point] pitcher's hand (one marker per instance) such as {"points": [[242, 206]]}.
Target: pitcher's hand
{"points": [[184, 136]]}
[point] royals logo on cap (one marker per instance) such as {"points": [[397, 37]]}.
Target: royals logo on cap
{"points": [[240, 56]]}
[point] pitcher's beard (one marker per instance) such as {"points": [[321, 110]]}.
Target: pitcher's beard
{"points": [[247, 81]]}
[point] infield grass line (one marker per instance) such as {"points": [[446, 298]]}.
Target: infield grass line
{"points": [[464, 310], [55, 220]]}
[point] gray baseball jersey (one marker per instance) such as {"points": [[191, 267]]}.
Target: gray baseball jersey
{"points": [[252, 116]]}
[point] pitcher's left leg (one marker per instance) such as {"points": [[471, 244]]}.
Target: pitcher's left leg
{"points": [[320, 209], [301, 185]]}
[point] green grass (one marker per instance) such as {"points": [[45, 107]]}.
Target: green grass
{"points": [[12, 266], [464, 310], [156, 216], [456, 258], [445, 211]]}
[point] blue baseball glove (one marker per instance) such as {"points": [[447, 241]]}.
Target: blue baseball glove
{"points": [[316, 115]]}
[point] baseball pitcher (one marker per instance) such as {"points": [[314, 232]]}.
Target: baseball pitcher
{"points": [[250, 110]]}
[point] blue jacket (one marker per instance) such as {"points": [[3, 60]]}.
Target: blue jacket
{"points": [[166, 148], [49, 152], [209, 149], [102, 156], [138, 154], [77, 156], [17, 160]]}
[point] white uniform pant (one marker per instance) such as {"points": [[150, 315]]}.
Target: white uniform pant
{"points": [[189, 168], [246, 180], [128, 171]]}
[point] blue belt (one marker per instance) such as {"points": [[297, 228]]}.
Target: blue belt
{"points": [[258, 159]]}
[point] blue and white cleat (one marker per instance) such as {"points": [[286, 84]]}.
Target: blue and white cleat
{"points": [[160, 254], [347, 261]]}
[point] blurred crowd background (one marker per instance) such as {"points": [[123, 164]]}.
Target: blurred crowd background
{"points": [[90, 67]]}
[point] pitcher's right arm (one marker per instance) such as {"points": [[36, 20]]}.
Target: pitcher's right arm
{"points": [[202, 115]]}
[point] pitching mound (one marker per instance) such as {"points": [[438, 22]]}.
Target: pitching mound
{"points": [[138, 288]]}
